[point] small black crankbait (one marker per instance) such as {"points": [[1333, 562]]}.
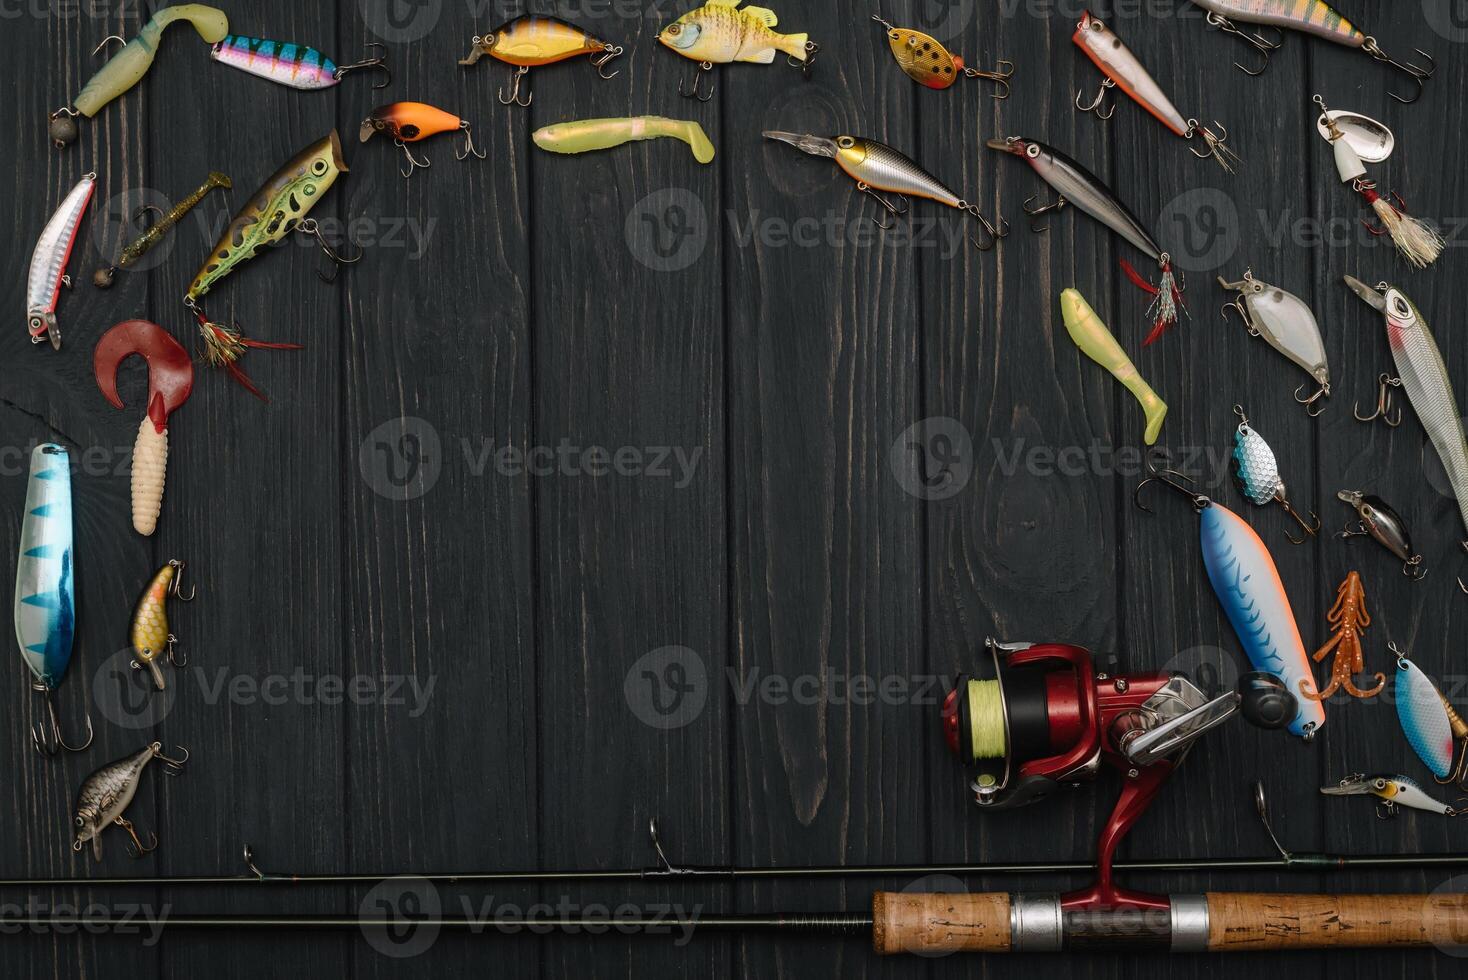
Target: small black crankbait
{"points": [[1379, 521]]}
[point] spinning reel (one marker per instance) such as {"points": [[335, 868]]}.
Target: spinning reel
{"points": [[1040, 718]]}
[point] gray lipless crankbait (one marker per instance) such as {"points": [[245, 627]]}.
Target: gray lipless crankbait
{"points": [[1384, 525], [106, 795], [1288, 325], [1257, 473]]}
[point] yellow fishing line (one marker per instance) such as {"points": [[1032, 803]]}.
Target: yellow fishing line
{"points": [[986, 720]]}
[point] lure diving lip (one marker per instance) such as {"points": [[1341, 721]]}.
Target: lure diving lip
{"points": [[1288, 325], [49, 260], [1100, 345], [583, 135], [530, 41], [409, 122], [878, 167]]}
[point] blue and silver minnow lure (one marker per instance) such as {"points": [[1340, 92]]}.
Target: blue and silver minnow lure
{"points": [[1429, 722], [1257, 473], [1392, 792], [296, 65], [45, 599]]}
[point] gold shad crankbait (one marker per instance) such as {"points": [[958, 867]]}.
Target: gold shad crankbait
{"points": [[126, 68], [585, 135], [719, 33], [877, 167], [1123, 69], [149, 634], [1309, 17], [276, 210], [925, 60], [530, 41], [1098, 343]]}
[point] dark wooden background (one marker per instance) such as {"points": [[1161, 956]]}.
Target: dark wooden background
{"points": [[534, 315]]}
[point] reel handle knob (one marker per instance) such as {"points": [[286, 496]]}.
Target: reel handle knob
{"points": [[1266, 702]]}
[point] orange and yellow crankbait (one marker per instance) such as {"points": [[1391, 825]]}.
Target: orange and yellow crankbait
{"points": [[149, 633], [409, 122], [529, 42]]}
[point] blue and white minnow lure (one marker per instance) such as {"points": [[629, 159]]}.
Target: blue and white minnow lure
{"points": [[45, 598], [1248, 586], [296, 65], [1430, 723], [1257, 473], [1392, 792]]}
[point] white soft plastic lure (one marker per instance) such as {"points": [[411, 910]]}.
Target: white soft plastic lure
{"points": [[48, 263]]}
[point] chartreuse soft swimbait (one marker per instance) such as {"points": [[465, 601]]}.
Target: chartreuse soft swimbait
{"points": [[528, 42], [584, 135], [1248, 586], [1098, 343], [45, 588], [295, 65], [276, 210], [126, 68], [719, 33]]}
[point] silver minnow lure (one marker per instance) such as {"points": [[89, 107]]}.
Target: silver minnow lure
{"points": [[1288, 325], [1391, 792], [48, 263], [109, 791], [1425, 379], [1257, 472]]}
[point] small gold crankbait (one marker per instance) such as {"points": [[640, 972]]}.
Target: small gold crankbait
{"points": [[927, 62], [149, 633]]}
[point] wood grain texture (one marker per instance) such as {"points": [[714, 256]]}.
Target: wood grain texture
{"points": [[747, 312]]}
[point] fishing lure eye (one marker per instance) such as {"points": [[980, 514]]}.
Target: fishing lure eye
{"points": [[675, 30], [1379, 783], [36, 324], [319, 167], [846, 142], [1098, 27], [1400, 309], [1032, 151]]}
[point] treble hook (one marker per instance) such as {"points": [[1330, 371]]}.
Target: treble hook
{"points": [[175, 588], [887, 205], [698, 76], [108, 40], [1215, 144], [379, 62], [811, 50], [1385, 384], [413, 162], [514, 97], [56, 742], [1173, 479], [1311, 408], [1310, 531], [994, 233], [137, 848], [468, 145], [1034, 213], [1000, 76], [1417, 73], [1393, 198], [1095, 107], [608, 53], [1259, 43], [311, 228], [173, 765]]}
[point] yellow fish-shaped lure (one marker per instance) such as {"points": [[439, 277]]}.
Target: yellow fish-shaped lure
{"points": [[149, 634], [719, 33]]}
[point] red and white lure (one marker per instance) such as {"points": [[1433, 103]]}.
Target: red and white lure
{"points": [[1124, 70], [48, 263], [1415, 239]]}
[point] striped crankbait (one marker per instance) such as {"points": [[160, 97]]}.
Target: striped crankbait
{"points": [[1257, 473], [1432, 726], [107, 793], [49, 260], [1391, 793], [409, 122], [126, 68], [720, 32], [531, 41], [1288, 325], [295, 65], [1309, 17], [1123, 69], [1248, 586], [45, 588], [1077, 185], [149, 634], [1425, 379], [1097, 342], [925, 60], [584, 135], [877, 167], [277, 209]]}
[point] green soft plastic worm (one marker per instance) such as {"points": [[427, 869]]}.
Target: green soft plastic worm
{"points": [[601, 134], [1097, 343]]}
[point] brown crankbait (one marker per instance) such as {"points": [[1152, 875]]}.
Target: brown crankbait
{"points": [[106, 795], [140, 246]]}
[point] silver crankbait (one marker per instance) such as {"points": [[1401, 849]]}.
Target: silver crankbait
{"points": [[48, 263], [877, 167], [1391, 792], [1077, 185], [106, 795], [1288, 325], [1257, 473], [1425, 378], [1377, 520]]}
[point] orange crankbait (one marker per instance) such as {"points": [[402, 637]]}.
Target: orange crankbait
{"points": [[409, 122], [529, 42], [149, 633]]}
